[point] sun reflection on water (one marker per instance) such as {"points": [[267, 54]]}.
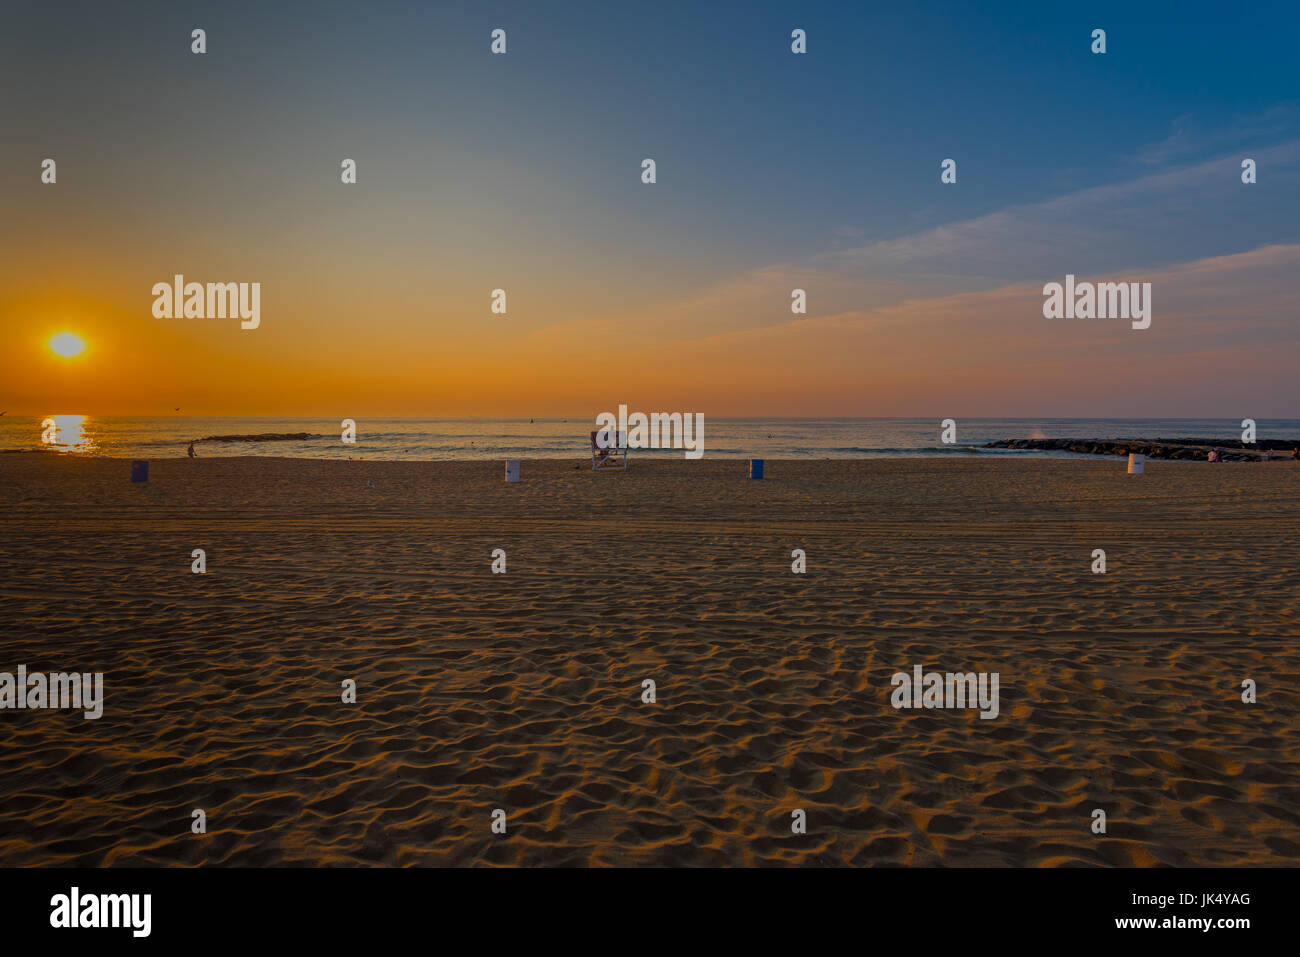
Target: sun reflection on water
{"points": [[68, 433]]}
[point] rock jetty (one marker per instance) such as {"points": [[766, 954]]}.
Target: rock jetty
{"points": [[1228, 450]]}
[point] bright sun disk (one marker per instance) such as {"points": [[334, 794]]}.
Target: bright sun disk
{"points": [[67, 344]]}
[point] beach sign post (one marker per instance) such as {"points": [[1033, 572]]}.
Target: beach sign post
{"points": [[1136, 463], [512, 470], [139, 471], [756, 468]]}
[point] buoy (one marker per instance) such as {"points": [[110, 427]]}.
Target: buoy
{"points": [[139, 471], [756, 468]]}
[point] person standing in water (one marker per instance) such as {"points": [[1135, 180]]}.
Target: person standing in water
{"points": [[192, 452]]}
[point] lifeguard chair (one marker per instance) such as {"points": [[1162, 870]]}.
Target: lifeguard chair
{"points": [[613, 456]]}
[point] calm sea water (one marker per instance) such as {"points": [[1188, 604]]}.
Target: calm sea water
{"points": [[424, 439]]}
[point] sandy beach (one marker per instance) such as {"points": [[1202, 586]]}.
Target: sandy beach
{"points": [[522, 691]]}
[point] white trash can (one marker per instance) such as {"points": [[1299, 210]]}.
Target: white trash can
{"points": [[1135, 463], [512, 470]]}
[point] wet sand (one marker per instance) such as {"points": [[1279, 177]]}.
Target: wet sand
{"points": [[523, 691]]}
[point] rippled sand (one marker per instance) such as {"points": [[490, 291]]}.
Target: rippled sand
{"points": [[523, 691]]}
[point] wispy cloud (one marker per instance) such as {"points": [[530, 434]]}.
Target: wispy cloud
{"points": [[1154, 222], [1190, 138]]}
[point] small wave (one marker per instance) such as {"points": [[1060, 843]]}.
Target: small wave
{"points": [[261, 437]]}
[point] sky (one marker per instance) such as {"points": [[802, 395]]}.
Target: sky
{"points": [[775, 171]]}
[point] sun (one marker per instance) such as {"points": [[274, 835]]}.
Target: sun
{"points": [[67, 344]]}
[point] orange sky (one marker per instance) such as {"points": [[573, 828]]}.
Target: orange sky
{"points": [[980, 353], [939, 322]]}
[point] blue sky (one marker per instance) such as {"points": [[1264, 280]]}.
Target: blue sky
{"points": [[771, 166]]}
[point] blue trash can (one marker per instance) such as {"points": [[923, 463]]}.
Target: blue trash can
{"points": [[756, 468], [139, 471]]}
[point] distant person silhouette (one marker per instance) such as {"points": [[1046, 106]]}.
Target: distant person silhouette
{"points": [[193, 454]]}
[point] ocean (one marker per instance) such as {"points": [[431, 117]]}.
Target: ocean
{"points": [[494, 438]]}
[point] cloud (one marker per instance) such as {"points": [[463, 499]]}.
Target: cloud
{"points": [[1150, 223], [1223, 335], [1187, 137]]}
